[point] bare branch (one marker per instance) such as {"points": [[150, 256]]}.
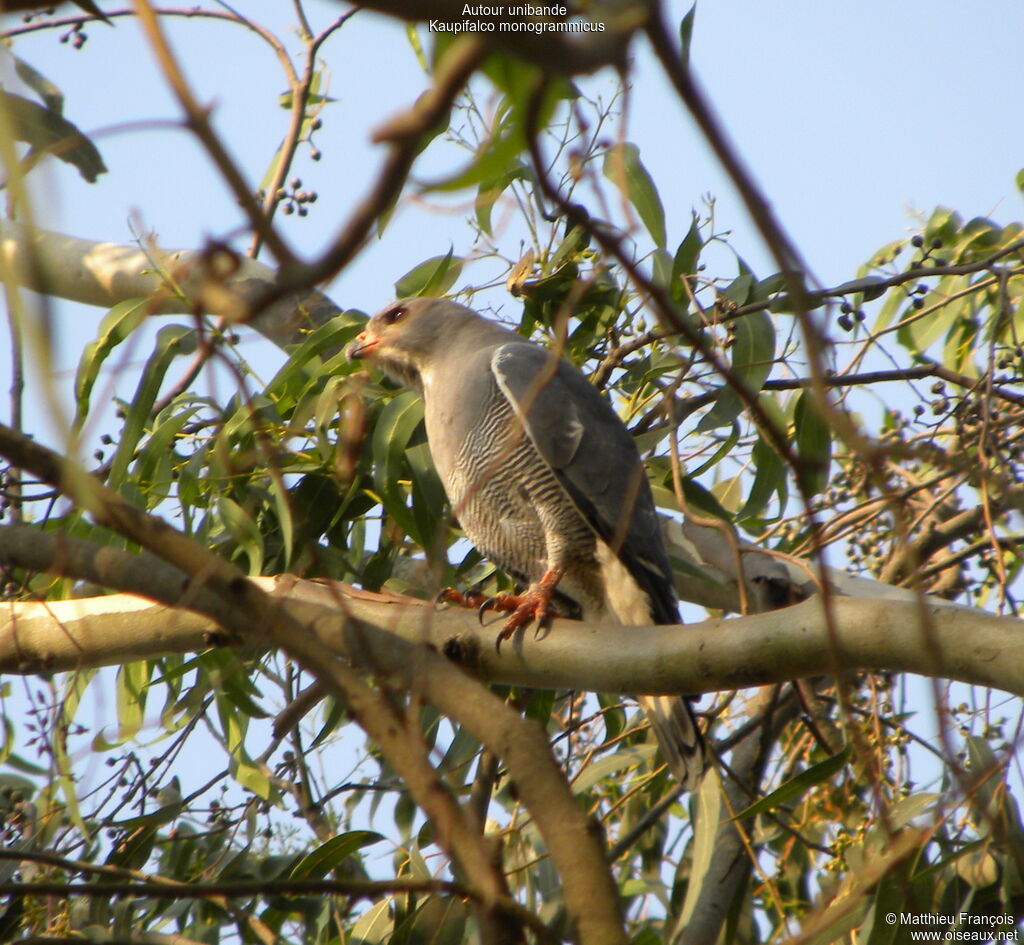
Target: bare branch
{"points": [[971, 645], [188, 281]]}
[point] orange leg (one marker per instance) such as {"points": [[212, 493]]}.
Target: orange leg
{"points": [[534, 604], [449, 595]]}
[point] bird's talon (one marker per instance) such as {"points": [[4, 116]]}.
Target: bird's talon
{"points": [[443, 596], [502, 636]]}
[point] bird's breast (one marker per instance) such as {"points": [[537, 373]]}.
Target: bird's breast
{"points": [[511, 503]]}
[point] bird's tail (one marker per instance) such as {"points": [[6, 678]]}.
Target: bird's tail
{"points": [[678, 737]]}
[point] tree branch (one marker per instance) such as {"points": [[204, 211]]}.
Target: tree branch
{"points": [[188, 281], [970, 645], [313, 634]]}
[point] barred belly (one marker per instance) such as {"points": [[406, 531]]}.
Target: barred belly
{"points": [[516, 512]]}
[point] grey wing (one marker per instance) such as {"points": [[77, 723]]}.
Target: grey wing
{"points": [[579, 435]]}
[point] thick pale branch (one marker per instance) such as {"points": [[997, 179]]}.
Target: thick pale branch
{"points": [[959, 643], [105, 274]]}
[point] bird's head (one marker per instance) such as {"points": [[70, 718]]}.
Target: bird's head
{"points": [[406, 338]]}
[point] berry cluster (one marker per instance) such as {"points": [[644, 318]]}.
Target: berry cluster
{"points": [[293, 199]]}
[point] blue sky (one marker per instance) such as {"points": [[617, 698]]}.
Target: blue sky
{"points": [[852, 117]]}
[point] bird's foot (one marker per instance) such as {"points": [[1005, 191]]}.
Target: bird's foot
{"points": [[534, 604], [470, 599]]}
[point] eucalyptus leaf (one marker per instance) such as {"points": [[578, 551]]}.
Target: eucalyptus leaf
{"points": [[623, 167]]}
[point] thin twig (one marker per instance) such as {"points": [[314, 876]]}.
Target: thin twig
{"points": [[197, 119]]}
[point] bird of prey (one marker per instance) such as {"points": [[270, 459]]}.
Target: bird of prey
{"points": [[544, 479]]}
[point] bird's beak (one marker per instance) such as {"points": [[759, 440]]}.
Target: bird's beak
{"points": [[362, 346]]}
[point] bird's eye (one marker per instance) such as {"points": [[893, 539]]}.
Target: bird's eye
{"points": [[393, 315]]}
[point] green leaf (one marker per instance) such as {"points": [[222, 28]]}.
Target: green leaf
{"points": [[396, 424], [132, 686], [154, 462], [494, 158], [500, 152], [697, 498], [623, 167], [920, 333], [328, 340], [576, 241], [489, 192], [890, 897], [753, 353], [769, 480], [65, 776], [738, 291], [171, 341], [286, 100], [329, 855], [724, 448], [437, 922], [962, 342], [729, 492], [797, 786], [278, 489], [769, 286], [944, 224], [461, 752], [598, 770], [1020, 180], [980, 237], [52, 97], [911, 807], [707, 817], [135, 849], [990, 791], [239, 690], [613, 715], [433, 276], [429, 498], [726, 408], [47, 130], [813, 442], [753, 356], [888, 310], [686, 36], [413, 36], [244, 531], [684, 264], [115, 326], [243, 769]]}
